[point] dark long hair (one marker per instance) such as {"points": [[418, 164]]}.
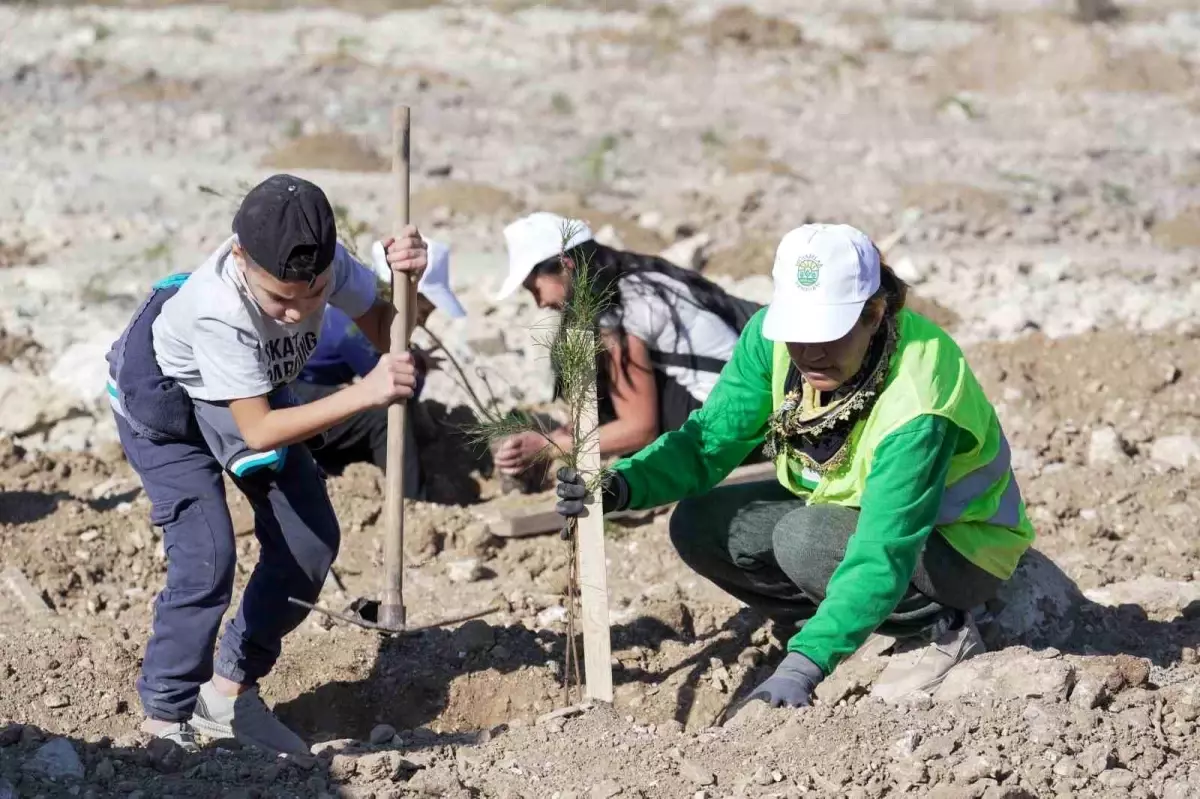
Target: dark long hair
{"points": [[607, 268]]}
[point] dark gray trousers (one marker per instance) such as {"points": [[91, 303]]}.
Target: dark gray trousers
{"points": [[766, 547]]}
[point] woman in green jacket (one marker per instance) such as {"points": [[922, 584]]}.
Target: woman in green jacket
{"points": [[896, 509]]}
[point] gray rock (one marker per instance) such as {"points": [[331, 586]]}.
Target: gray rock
{"points": [[464, 570], [1089, 693], [333, 747], [1007, 792], [1106, 446], [910, 770], [939, 746], [54, 701], [475, 636], [1008, 676], [1096, 758], [762, 777], [689, 253], [1118, 778], [1176, 789], [1175, 452], [1046, 726], [911, 271], [906, 746], [11, 733], [56, 760], [165, 755], [384, 766], [605, 790], [382, 734], [1067, 768], [105, 771], [1037, 607], [696, 773], [974, 769], [7, 791], [1152, 594]]}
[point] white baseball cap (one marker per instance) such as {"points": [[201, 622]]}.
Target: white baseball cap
{"points": [[534, 238], [435, 281], [824, 275]]}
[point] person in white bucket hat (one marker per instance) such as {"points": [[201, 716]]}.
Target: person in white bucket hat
{"points": [[343, 354], [895, 509], [667, 333]]}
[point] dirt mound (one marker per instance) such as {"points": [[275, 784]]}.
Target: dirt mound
{"points": [[465, 198], [752, 155], [744, 27], [1178, 232], [1041, 52], [152, 87], [940, 197], [333, 150]]}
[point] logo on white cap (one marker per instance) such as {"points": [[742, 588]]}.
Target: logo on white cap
{"points": [[823, 275], [808, 272]]}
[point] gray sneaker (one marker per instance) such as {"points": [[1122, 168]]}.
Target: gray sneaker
{"points": [[923, 666], [247, 719], [180, 733]]}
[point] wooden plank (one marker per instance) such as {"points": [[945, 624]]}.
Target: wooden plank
{"points": [[519, 516], [391, 605], [30, 598], [593, 566]]}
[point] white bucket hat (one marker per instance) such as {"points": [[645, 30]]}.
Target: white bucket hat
{"points": [[824, 275], [534, 238], [434, 284]]}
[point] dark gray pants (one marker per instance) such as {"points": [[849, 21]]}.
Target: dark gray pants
{"points": [[765, 546]]}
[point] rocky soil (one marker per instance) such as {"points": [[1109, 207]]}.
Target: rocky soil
{"points": [[1035, 178]]}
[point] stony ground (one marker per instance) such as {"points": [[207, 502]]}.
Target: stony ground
{"points": [[1037, 179]]}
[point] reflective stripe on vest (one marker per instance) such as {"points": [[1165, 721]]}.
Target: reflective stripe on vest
{"points": [[958, 496]]}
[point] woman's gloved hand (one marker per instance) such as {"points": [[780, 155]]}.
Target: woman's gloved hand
{"points": [[573, 494], [792, 684]]}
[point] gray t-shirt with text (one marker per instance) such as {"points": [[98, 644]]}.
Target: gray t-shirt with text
{"points": [[214, 339]]}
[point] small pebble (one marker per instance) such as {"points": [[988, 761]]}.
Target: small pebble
{"points": [[382, 734], [55, 701]]}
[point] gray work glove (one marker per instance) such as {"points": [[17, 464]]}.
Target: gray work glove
{"points": [[792, 684], [573, 494]]}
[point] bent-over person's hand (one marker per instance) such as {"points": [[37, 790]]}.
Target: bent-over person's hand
{"points": [[792, 684], [518, 452]]}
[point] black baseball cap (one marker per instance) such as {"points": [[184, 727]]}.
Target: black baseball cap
{"points": [[286, 225]]}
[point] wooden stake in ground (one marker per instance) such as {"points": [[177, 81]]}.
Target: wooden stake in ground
{"points": [[593, 569], [391, 606]]}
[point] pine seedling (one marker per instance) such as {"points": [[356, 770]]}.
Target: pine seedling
{"points": [[573, 350]]}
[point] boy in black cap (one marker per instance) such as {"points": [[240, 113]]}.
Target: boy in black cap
{"points": [[199, 385]]}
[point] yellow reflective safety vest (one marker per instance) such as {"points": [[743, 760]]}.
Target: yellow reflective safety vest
{"points": [[982, 514]]}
